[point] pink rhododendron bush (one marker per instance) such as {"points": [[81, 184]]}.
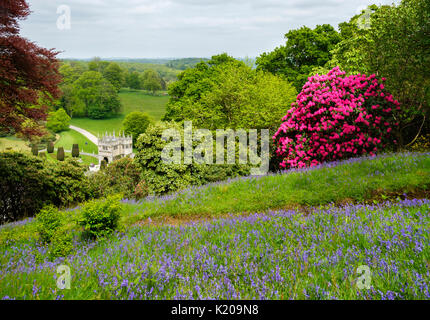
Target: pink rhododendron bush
{"points": [[336, 117]]}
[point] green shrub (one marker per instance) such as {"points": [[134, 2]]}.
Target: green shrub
{"points": [[121, 176], [75, 151], [34, 150], [28, 183], [25, 186], [42, 155], [69, 182], [50, 147], [100, 217], [103, 165], [48, 220], [60, 154], [421, 144], [159, 177], [61, 243]]}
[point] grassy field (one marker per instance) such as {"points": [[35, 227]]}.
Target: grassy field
{"points": [[86, 160], [132, 100], [354, 180], [70, 137], [14, 143]]}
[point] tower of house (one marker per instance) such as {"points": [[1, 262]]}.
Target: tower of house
{"points": [[112, 147]]}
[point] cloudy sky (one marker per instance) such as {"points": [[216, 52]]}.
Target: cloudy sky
{"points": [[177, 28]]}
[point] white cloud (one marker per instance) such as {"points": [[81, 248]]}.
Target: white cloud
{"points": [[169, 28]]}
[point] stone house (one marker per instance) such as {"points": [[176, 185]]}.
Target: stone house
{"points": [[113, 147]]}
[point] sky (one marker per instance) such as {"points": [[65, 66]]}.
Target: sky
{"points": [[176, 28]]}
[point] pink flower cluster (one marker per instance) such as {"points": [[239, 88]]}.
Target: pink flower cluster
{"points": [[336, 117]]}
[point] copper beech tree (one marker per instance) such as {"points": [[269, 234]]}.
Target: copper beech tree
{"points": [[29, 75]]}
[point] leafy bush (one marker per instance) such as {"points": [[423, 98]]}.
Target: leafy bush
{"points": [[103, 165], [69, 183], [60, 154], [61, 243], [34, 150], [159, 177], [75, 151], [336, 117], [25, 186], [50, 147], [48, 221], [100, 217], [421, 144], [28, 183], [121, 176]]}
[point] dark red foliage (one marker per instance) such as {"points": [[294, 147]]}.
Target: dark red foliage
{"points": [[29, 75]]}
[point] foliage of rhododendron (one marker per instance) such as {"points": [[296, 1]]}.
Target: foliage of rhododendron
{"points": [[336, 117]]}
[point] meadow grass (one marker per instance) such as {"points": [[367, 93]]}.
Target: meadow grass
{"points": [[354, 180], [70, 137], [132, 100], [274, 255], [86, 160]]}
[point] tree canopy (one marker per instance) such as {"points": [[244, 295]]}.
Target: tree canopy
{"points": [[304, 50], [114, 74], [135, 123], [395, 46], [225, 93], [58, 121], [98, 95], [29, 75], [151, 81]]}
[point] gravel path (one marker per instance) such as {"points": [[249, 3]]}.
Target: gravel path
{"points": [[87, 134]]}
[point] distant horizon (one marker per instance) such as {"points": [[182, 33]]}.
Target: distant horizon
{"points": [[145, 58]]}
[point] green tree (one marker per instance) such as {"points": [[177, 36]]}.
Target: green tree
{"points": [[133, 81], [115, 75], [397, 47], [96, 64], [151, 81], [58, 121], [225, 93], [304, 50], [97, 94], [135, 123], [71, 72]]}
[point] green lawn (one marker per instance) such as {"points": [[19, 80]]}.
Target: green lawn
{"points": [[68, 138], [356, 180], [132, 100], [14, 143], [87, 160]]}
